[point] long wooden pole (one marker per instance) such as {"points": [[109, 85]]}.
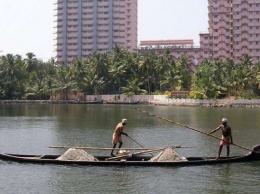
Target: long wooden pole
{"points": [[168, 120], [98, 148], [135, 141], [138, 143]]}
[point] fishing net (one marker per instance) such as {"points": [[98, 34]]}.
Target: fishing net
{"points": [[73, 154], [168, 155], [122, 153]]}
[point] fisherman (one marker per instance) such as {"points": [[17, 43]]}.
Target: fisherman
{"points": [[226, 138], [117, 135]]}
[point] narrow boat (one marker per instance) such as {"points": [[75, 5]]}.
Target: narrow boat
{"points": [[87, 102], [122, 102], [132, 160]]}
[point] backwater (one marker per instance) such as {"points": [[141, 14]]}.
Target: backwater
{"points": [[32, 128]]}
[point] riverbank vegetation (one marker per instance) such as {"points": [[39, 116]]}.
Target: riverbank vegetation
{"points": [[123, 72]]}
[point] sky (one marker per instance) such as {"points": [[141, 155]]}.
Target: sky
{"points": [[28, 25]]}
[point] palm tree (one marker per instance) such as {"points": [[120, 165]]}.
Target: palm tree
{"points": [[163, 66], [30, 63], [117, 74], [146, 68], [172, 80], [258, 79], [49, 78], [77, 72], [185, 61], [64, 83], [203, 80], [131, 64], [133, 88], [98, 63], [93, 83], [242, 75], [183, 71], [11, 75]]}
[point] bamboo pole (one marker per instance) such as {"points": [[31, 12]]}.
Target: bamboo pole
{"points": [[99, 148], [137, 143], [168, 120]]}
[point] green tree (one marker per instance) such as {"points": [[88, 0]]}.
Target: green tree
{"points": [[64, 83], [133, 88], [203, 80], [146, 68], [11, 77]]}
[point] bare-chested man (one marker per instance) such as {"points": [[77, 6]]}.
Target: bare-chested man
{"points": [[226, 137]]}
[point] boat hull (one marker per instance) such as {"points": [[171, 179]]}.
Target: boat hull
{"points": [[131, 161], [86, 102], [122, 102]]}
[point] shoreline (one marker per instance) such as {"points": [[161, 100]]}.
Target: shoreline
{"points": [[162, 102]]}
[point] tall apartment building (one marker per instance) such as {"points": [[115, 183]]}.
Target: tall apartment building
{"points": [[234, 30], [85, 26]]}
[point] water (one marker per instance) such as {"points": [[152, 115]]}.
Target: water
{"points": [[32, 128]]}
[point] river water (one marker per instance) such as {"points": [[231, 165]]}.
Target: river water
{"points": [[32, 128]]}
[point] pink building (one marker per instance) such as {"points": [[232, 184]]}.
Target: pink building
{"points": [[85, 26], [176, 47], [234, 30]]}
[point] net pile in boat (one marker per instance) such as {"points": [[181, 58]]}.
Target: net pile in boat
{"points": [[73, 154], [122, 153], [168, 155]]}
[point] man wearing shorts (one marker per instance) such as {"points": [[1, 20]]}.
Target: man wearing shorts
{"points": [[226, 138]]}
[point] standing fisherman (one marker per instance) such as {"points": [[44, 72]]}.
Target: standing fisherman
{"points": [[117, 135], [226, 137]]}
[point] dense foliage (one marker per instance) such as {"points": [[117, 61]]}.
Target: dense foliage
{"points": [[123, 72]]}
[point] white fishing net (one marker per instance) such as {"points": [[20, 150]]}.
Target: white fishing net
{"points": [[168, 155], [73, 154]]}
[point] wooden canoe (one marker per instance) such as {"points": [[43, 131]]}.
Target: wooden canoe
{"points": [[137, 160], [122, 102], [87, 102]]}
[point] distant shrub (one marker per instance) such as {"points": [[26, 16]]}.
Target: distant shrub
{"points": [[197, 95], [168, 93], [30, 96]]}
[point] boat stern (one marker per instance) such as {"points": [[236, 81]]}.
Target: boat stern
{"points": [[256, 148], [256, 151]]}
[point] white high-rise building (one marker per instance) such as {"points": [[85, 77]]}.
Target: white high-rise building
{"points": [[86, 26]]}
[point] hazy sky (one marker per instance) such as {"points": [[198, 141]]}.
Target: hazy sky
{"points": [[28, 25]]}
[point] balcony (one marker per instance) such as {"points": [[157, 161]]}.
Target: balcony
{"points": [[87, 46], [244, 32], [87, 28], [72, 11], [72, 23], [87, 22], [87, 3], [244, 2], [103, 22]]}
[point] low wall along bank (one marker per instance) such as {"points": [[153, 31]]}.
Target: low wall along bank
{"points": [[152, 99]]}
